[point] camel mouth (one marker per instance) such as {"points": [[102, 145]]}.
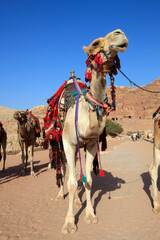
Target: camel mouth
{"points": [[120, 47]]}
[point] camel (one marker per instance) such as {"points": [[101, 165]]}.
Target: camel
{"points": [[153, 170], [27, 138], [90, 126], [3, 144]]}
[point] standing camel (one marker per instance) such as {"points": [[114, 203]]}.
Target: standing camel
{"points": [[26, 136], [3, 144], [153, 170], [89, 125]]}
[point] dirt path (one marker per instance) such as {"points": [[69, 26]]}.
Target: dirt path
{"points": [[121, 199]]}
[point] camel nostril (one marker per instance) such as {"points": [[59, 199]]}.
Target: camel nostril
{"points": [[118, 32]]}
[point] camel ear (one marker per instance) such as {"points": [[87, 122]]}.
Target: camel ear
{"points": [[94, 47], [85, 49]]}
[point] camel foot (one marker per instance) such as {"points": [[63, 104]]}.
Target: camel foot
{"points": [[33, 174], [156, 210], [49, 166], [90, 218], [60, 197], [77, 203], [69, 228]]}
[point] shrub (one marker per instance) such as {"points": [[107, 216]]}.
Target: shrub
{"points": [[129, 133], [113, 128]]}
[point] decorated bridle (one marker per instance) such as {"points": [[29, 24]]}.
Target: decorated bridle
{"points": [[95, 61]]}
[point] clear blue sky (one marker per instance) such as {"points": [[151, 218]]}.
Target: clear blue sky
{"points": [[41, 42]]}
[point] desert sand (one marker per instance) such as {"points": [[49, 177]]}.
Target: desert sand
{"points": [[122, 199]]}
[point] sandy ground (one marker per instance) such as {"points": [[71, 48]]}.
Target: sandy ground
{"points": [[122, 199]]}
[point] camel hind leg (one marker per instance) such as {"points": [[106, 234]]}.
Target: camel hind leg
{"points": [[153, 170], [50, 157], [60, 195], [31, 157], [69, 224]]}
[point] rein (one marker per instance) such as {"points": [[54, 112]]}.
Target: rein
{"points": [[138, 85]]}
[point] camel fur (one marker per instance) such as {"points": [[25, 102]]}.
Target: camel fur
{"points": [[89, 126], [153, 170], [27, 138], [3, 144]]}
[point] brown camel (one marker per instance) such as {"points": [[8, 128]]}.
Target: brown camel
{"points": [[153, 170], [26, 136], [89, 125], [3, 144]]}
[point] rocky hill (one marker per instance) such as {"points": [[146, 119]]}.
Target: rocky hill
{"points": [[135, 107], [134, 103]]}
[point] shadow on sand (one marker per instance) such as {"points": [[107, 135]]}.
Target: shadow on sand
{"points": [[13, 172], [147, 184], [102, 185]]}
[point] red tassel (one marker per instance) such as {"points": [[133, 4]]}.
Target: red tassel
{"points": [[100, 61], [96, 59], [81, 177], [89, 75], [102, 173]]}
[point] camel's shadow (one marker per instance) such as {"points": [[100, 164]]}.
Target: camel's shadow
{"points": [[13, 172], [102, 185], [147, 183]]}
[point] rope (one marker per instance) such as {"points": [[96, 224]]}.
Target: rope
{"points": [[138, 85]]}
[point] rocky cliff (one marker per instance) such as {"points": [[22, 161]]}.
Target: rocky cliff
{"points": [[134, 103]]}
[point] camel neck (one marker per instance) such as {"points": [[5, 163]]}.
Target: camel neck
{"points": [[22, 129], [98, 85]]}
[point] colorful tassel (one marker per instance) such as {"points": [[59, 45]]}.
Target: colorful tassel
{"points": [[102, 173], [83, 178]]}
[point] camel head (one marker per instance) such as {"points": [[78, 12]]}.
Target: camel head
{"points": [[20, 116], [108, 46]]}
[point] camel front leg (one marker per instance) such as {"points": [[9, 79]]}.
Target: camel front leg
{"points": [[91, 151], [23, 159], [153, 170], [4, 157], [69, 225], [31, 157]]}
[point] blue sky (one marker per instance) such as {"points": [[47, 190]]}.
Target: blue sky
{"points": [[41, 42]]}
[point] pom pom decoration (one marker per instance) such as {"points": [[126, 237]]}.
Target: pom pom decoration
{"points": [[83, 178], [101, 173]]}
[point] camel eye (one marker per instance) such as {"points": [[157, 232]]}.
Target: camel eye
{"points": [[96, 44]]}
